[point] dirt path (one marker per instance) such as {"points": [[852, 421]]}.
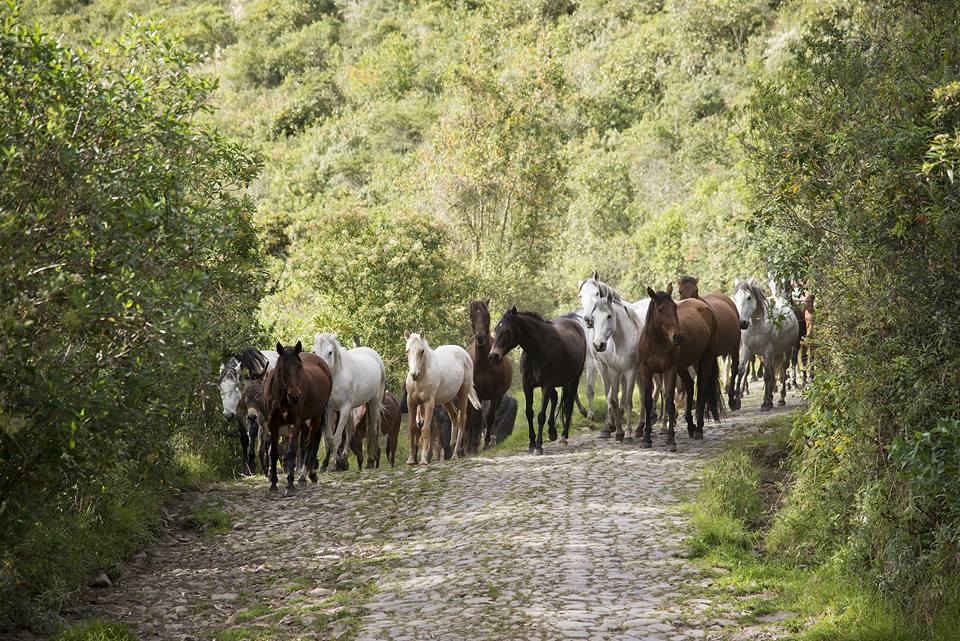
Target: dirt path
{"points": [[582, 543]]}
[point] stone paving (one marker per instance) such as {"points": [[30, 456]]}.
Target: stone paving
{"points": [[585, 542]]}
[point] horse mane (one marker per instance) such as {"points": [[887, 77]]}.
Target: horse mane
{"points": [[754, 289], [603, 289], [275, 377], [253, 360]]}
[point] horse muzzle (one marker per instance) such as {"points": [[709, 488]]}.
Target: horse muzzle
{"points": [[496, 357], [601, 346], [229, 415], [415, 375], [677, 339], [744, 324], [588, 321], [481, 340]]}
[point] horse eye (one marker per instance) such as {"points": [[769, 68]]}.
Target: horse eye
{"points": [[609, 315]]}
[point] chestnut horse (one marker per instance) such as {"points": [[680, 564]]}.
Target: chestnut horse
{"points": [[490, 380], [728, 326], [675, 337], [553, 356], [389, 428], [295, 391]]}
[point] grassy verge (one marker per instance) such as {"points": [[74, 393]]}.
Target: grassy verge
{"points": [[737, 502]]}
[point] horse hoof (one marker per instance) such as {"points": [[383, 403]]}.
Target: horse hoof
{"points": [[735, 404], [766, 408], [781, 402], [538, 451], [646, 444], [313, 477], [671, 446], [273, 489], [698, 435], [628, 439], [552, 434], [291, 490], [302, 480], [411, 461], [619, 437], [563, 442]]}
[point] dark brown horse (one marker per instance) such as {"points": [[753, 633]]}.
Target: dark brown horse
{"points": [[677, 336], [295, 391], [490, 380], [389, 428], [553, 355], [728, 327]]}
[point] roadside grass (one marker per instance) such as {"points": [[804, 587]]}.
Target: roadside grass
{"points": [[731, 512], [210, 521], [97, 630]]}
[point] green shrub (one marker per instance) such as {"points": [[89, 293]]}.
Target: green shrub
{"points": [[97, 631]]}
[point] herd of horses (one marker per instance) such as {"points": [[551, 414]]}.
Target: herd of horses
{"points": [[663, 345]]}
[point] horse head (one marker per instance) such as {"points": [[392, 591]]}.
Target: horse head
{"points": [[506, 336], [327, 347], [480, 320], [286, 382], [662, 315], [688, 287], [604, 322], [749, 299], [230, 390], [416, 350], [591, 290]]}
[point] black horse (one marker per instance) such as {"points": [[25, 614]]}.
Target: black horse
{"points": [[553, 356]]}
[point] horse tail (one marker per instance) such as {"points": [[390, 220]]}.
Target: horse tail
{"points": [[473, 398], [583, 410], [714, 392]]}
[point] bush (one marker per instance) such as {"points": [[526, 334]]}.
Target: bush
{"points": [[130, 265]]}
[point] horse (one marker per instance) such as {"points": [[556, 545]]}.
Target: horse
{"points": [[616, 339], [728, 326], [359, 379], [809, 309], [248, 364], [770, 330], [588, 291], [296, 391], [798, 354], [490, 380], [676, 336], [441, 376], [553, 356], [389, 428]]}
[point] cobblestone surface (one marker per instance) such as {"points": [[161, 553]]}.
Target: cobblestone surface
{"points": [[585, 542]]}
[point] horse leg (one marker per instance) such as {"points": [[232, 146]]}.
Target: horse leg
{"points": [[342, 436], [733, 399], [706, 374], [331, 447], [462, 403], [414, 431], [783, 386], [427, 442], [546, 394], [591, 377], [552, 418], [457, 433], [613, 404], [313, 447], [687, 382], [490, 437], [670, 387], [646, 391], [566, 409], [769, 381], [244, 443], [274, 455], [373, 430], [290, 456], [528, 411]]}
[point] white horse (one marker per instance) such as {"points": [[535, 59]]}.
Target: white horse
{"points": [[588, 292], [359, 379], [770, 329], [445, 376], [616, 339]]}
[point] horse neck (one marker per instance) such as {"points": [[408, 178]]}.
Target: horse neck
{"points": [[652, 330], [483, 351], [429, 358], [529, 338]]}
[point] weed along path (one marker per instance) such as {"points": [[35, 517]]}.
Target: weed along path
{"points": [[585, 542]]}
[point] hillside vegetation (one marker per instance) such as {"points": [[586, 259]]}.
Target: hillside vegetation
{"points": [[396, 158]]}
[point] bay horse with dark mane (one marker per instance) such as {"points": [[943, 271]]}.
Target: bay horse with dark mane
{"points": [[491, 380], [296, 391], [553, 356], [728, 328], [677, 336]]}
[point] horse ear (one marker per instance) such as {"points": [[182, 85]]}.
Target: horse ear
{"points": [[596, 275], [486, 303], [610, 297], [513, 310], [298, 347], [317, 336], [670, 289], [406, 334], [279, 348], [651, 293]]}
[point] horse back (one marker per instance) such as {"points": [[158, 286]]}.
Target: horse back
{"points": [[728, 322], [317, 383], [699, 331]]}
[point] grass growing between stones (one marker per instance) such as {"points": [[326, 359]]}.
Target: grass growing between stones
{"points": [[97, 630], [210, 521], [731, 515]]}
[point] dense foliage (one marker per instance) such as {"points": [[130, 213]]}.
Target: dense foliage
{"points": [[854, 146], [129, 263]]}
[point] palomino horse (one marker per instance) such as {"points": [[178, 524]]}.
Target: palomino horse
{"points": [[675, 337], [728, 326], [295, 391], [359, 379], [553, 355], [616, 339], [490, 380], [441, 376], [770, 330]]}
